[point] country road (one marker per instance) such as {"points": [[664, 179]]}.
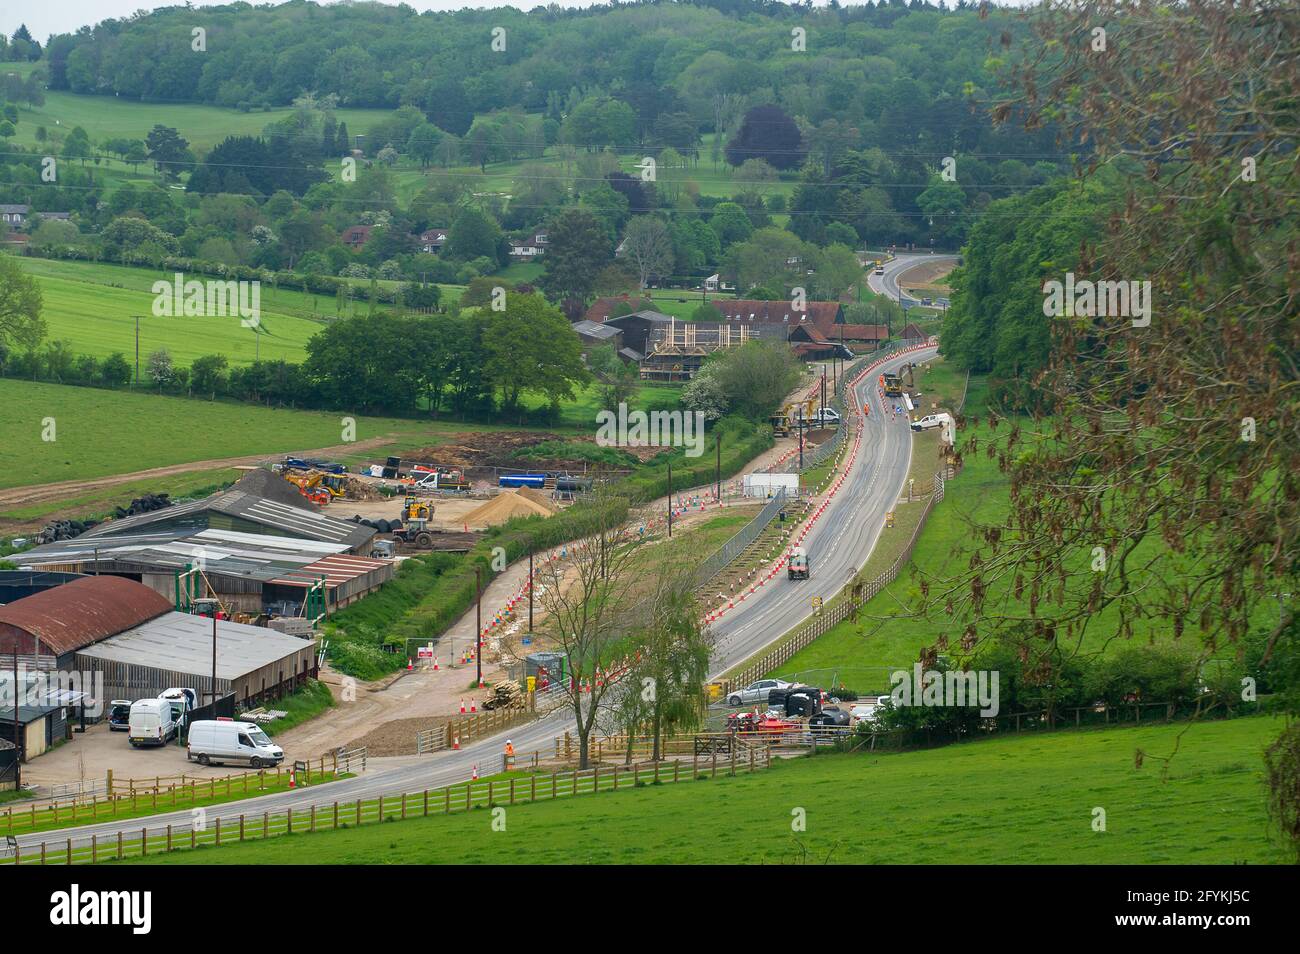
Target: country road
{"points": [[887, 284], [838, 545]]}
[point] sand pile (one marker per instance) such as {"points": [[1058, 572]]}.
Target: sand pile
{"points": [[504, 507], [539, 498]]}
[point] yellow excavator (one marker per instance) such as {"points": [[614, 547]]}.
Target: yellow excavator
{"points": [[317, 486], [786, 421]]}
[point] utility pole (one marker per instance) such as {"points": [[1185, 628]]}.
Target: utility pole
{"points": [[478, 625], [801, 438], [821, 417], [530, 591], [18, 739], [717, 468], [670, 500], [214, 663]]}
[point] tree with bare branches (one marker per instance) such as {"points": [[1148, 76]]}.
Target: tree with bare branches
{"points": [[1158, 475], [589, 600]]}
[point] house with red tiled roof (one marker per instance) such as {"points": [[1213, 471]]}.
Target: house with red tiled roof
{"points": [[823, 315], [355, 236], [431, 241]]}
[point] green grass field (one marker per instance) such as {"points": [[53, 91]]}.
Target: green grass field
{"points": [[100, 432], [1010, 800], [93, 306], [861, 654], [105, 117]]}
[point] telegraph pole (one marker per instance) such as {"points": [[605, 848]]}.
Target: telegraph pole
{"points": [[530, 591], [18, 739], [214, 663], [670, 500], [137, 351], [478, 624], [717, 469]]}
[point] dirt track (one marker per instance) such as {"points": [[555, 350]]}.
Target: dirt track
{"points": [[40, 493]]}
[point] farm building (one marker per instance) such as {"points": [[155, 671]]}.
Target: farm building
{"points": [[247, 572], [176, 649], [39, 727], [129, 633], [48, 628], [17, 584], [238, 510]]}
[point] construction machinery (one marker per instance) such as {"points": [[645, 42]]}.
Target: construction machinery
{"points": [[786, 421], [891, 384], [416, 509], [416, 532], [309, 484]]}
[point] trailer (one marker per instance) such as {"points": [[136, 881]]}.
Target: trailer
{"points": [[536, 481]]}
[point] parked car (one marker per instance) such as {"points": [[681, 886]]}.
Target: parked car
{"points": [[152, 722], [928, 422], [756, 692], [864, 713], [119, 715], [220, 741]]}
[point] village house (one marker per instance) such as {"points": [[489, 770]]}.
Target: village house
{"points": [[355, 236], [531, 247], [431, 241]]}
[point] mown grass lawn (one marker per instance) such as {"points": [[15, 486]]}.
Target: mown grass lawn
{"points": [[1013, 800]]}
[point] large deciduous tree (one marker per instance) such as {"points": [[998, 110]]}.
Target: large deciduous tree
{"points": [[767, 132], [577, 248]]}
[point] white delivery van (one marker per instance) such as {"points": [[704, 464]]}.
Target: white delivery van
{"points": [[151, 722], [219, 741]]}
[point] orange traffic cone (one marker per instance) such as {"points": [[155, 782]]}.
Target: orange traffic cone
{"points": [[409, 667], [293, 780], [462, 707], [475, 775], [455, 742], [435, 663], [473, 706]]}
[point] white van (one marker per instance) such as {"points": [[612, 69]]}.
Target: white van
{"points": [[151, 722], [219, 741]]}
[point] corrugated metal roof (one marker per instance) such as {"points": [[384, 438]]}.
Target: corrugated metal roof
{"points": [[180, 642], [289, 520], [335, 569], [223, 552], [79, 613]]}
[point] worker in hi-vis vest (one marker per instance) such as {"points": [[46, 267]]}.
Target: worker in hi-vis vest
{"points": [[510, 755]]}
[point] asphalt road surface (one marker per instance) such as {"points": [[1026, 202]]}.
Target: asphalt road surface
{"points": [[838, 545], [887, 284]]}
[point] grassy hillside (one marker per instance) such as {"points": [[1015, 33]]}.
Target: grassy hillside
{"points": [[204, 126], [94, 307], [1022, 800]]}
